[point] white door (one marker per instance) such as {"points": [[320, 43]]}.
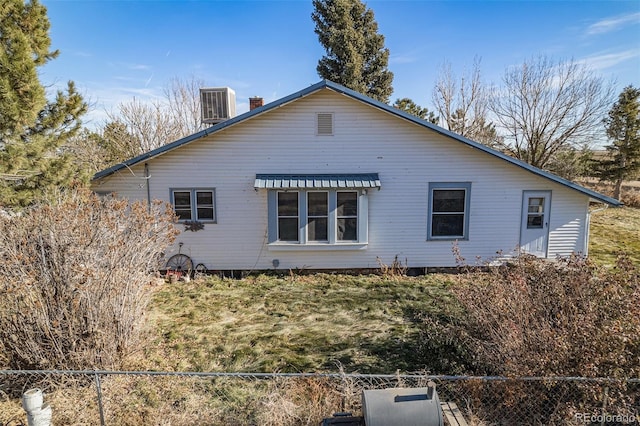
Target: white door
{"points": [[534, 230]]}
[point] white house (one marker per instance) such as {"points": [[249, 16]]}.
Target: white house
{"points": [[327, 178]]}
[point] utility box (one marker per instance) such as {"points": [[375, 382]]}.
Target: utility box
{"points": [[402, 407]]}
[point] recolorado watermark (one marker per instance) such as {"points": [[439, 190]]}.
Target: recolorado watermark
{"points": [[607, 418]]}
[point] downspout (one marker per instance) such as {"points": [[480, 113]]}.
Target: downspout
{"points": [[588, 226], [147, 178]]}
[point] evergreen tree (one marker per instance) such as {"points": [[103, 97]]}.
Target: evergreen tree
{"points": [[32, 129], [623, 128], [355, 54], [407, 105]]}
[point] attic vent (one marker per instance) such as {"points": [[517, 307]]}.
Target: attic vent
{"points": [[324, 121], [218, 104]]}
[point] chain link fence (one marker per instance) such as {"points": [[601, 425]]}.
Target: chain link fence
{"points": [[171, 398]]}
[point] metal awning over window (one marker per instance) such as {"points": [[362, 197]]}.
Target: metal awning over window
{"points": [[317, 181]]}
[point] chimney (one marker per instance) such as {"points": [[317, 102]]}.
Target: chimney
{"points": [[255, 102]]}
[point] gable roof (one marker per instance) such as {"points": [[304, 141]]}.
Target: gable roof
{"points": [[326, 84]]}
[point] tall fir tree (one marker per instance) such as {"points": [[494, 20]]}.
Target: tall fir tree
{"points": [[623, 129], [409, 106], [355, 54], [32, 129]]}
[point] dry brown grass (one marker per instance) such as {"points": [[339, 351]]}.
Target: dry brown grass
{"points": [[189, 400], [304, 401], [630, 193], [266, 323]]}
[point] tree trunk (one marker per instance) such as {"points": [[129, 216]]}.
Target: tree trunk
{"points": [[617, 189]]}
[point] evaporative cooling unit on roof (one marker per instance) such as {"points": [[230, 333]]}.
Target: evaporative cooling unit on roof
{"points": [[218, 104]]}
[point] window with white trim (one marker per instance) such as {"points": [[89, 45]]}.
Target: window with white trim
{"points": [[288, 216], [316, 217], [448, 216], [347, 216], [194, 204]]}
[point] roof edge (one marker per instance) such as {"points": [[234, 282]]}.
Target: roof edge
{"points": [[209, 130], [595, 196]]}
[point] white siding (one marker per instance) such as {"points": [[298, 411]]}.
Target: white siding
{"points": [[365, 140]]}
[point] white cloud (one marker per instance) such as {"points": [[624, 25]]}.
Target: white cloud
{"points": [[608, 60], [129, 66], [613, 23], [402, 59]]}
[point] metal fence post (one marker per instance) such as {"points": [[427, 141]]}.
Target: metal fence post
{"points": [[605, 396], [99, 391]]}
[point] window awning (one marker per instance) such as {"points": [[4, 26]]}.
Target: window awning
{"points": [[317, 181]]}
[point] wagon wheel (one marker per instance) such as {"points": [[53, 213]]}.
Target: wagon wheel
{"points": [[200, 270], [180, 262]]}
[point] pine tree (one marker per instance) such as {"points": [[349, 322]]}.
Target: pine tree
{"points": [[32, 129], [355, 54], [623, 128], [407, 105]]}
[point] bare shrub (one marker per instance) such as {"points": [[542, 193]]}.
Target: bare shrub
{"points": [[75, 272], [396, 269], [534, 317], [630, 196]]}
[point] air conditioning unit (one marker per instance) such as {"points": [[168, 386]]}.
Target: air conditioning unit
{"points": [[218, 104]]}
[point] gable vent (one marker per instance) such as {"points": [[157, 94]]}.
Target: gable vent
{"points": [[218, 104], [324, 121]]}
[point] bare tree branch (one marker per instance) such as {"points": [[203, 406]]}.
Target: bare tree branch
{"points": [[183, 98], [137, 127], [547, 107], [463, 107]]}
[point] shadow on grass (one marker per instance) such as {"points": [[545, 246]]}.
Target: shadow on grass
{"points": [[423, 349]]}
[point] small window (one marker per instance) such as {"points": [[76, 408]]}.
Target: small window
{"points": [[448, 211], [347, 216], [194, 204], [182, 204], [288, 216], [535, 213], [318, 216]]}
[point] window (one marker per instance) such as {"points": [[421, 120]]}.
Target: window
{"points": [[316, 218], [288, 214], [347, 216], [194, 204], [182, 204], [448, 211], [535, 213]]}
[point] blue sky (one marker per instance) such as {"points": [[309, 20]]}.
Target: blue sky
{"points": [[115, 50]]}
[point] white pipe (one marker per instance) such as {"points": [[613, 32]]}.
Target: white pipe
{"points": [[38, 411]]}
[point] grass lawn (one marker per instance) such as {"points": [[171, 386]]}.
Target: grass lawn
{"points": [[368, 324], [365, 324], [614, 230]]}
